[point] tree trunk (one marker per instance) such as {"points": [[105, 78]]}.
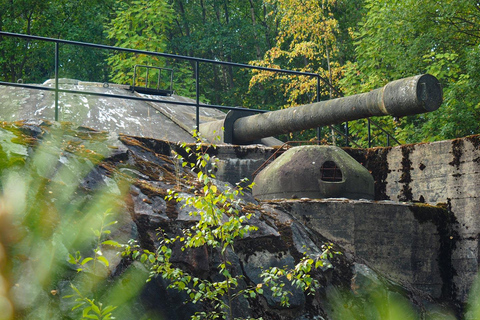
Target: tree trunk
{"points": [[255, 36]]}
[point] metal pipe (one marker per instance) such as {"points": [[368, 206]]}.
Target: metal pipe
{"points": [[160, 54], [118, 96], [197, 98], [369, 133], [347, 133], [379, 127], [56, 80], [414, 95], [319, 129], [146, 83]]}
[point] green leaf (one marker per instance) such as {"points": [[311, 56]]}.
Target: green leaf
{"points": [[108, 309], [86, 260], [78, 306], [135, 254], [96, 309], [71, 259], [103, 260], [86, 311], [151, 258], [198, 296], [111, 223], [112, 243]]}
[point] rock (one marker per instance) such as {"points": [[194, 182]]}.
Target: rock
{"points": [[154, 209], [350, 288], [261, 262]]}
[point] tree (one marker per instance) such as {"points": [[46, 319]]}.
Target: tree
{"points": [[32, 61], [309, 39], [235, 31], [306, 42], [401, 39], [142, 25]]}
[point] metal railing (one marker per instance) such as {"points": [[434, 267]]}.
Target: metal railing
{"points": [[196, 63], [158, 87]]}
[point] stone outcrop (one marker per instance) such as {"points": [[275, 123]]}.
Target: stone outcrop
{"points": [[286, 230]]}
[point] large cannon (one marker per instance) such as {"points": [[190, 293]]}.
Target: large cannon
{"points": [[414, 95], [323, 171]]}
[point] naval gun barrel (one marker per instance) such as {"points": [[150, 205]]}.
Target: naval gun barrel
{"points": [[414, 95]]}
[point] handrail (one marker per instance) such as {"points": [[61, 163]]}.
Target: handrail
{"points": [[196, 61], [376, 124], [153, 53], [160, 69]]}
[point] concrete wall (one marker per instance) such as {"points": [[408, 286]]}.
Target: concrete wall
{"points": [[238, 162], [407, 242], [445, 173]]}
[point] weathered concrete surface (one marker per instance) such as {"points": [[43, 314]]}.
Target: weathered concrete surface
{"points": [[409, 243], [147, 119], [314, 172], [238, 162], [446, 172]]}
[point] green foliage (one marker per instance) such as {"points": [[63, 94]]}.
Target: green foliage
{"points": [[299, 277], [91, 309], [220, 222], [56, 238], [32, 61], [401, 39], [100, 241], [306, 42], [234, 30], [142, 25]]}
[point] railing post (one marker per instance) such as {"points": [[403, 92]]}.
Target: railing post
{"points": [[197, 87], [319, 129], [346, 133], [369, 134], [146, 80], [56, 81]]}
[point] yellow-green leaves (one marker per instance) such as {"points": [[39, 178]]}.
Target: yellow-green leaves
{"points": [[300, 276], [220, 222], [306, 42]]}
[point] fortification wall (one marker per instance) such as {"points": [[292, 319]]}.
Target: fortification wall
{"points": [[401, 240], [445, 172]]}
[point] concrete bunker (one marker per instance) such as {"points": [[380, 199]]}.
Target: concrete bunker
{"points": [[314, 172]]}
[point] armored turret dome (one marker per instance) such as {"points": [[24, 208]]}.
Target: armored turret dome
{"points": [[314, 172]]}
